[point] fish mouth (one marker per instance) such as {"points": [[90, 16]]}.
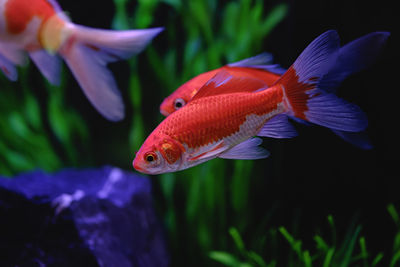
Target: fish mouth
{"points": [[163, 112], [138, 168]]}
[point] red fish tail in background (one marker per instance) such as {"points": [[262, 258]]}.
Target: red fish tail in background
{"points": [[87, 53], [304, 99]]}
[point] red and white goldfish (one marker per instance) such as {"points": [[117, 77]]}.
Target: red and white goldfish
{"points": [[40, 29], [353, 57], [222, 119]]}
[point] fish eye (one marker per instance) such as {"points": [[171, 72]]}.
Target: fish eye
{"points": [[150, 157], [178, 103]]}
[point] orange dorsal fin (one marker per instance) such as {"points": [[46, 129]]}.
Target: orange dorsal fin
{"points": [[225, 83]]}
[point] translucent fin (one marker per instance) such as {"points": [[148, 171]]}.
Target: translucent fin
{"points": [[358, 139], [318, 58], [96, 80], [278, 127], [249, 149], [55, 5], [303, 98], [354, 57], [8, 69], [14, 55], [49, 65], [114, 45], [87, 54], [260, 59], [337, 114]]}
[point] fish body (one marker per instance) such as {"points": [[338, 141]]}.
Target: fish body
{"points": [[222, 119], [256, 67], [40, 29]]}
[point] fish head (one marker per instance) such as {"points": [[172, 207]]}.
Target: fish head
{"points": [[177, 99], [185, 93], [159, 154]]}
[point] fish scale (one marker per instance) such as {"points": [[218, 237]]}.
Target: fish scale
{"points": [[221, 116]]}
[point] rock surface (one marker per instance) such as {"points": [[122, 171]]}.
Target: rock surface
{"points": [[93, 217]]}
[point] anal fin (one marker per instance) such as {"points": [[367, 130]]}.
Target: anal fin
{"points": [[249, 149], [278, 127]]}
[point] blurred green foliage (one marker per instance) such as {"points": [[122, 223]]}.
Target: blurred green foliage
{"points": [[37, 134]]}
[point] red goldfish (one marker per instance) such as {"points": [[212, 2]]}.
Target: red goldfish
{"points": [[255, 67], [222, 119], [40, 29], [353, 57]]}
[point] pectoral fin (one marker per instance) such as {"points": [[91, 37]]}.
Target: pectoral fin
{"points": [[278, 127], [208, 151]]}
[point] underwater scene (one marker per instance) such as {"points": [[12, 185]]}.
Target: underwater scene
{"points": [[241, 133]]}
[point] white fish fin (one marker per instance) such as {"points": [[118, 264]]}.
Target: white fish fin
{"points": [[49, 65], [88, 55], [208, 151], [114, 45], [260, 59], [13, 54], [8, 68], [96, 80], [278, 127], [249, 149]]}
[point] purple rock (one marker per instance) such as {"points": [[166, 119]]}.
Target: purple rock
{"points": [[94, 217]]}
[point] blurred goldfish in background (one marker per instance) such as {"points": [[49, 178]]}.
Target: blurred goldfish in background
{"points": [[223, 117], [40, 29], [353, 57]]}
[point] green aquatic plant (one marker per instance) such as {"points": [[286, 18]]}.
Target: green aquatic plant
{"points": [[249, 257], [349, 251]]}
